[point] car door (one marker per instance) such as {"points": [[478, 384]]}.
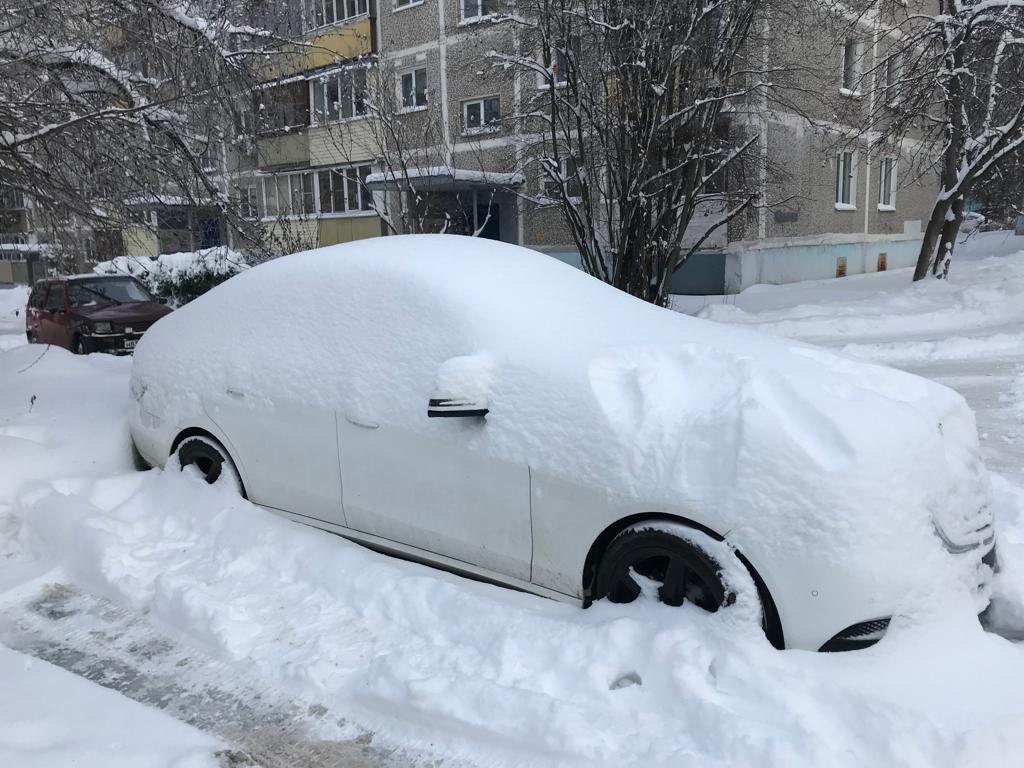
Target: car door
{"points": [[429, 483], [288, 448], [53, 318], [430, 488]]}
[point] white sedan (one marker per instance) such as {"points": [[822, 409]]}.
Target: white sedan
{"points": [[490, 410]]}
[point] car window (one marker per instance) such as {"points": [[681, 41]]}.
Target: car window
{"points": [[55, 298], [35, 299], [117, 291]]}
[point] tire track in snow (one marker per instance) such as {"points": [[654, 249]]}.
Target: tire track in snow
{"points": [[109, 645]]}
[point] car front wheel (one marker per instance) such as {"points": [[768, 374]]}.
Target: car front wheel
{"points": [[78, 346], [664, 560], [208, 458]]}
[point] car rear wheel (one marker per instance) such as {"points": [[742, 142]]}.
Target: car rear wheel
{"points": [[209, 458], [31, 337], [666, 556], [78, 346]]}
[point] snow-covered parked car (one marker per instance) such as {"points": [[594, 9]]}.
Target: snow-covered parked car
{"points": [[488, 409]]}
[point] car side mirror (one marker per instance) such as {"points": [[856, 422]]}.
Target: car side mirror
{"points": [[455, 407], [462, 389]]}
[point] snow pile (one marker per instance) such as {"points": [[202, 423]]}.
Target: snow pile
{"points": [[12, 315], [50, 718], [983, 292], [801, 455], [467, 670], [178, 277]]}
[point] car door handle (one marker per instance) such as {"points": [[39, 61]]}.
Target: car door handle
{"points": [[361, 422]]}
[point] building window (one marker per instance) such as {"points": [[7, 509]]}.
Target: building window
{"points": [[289, 194], [478, 9], [209, 160], [249, 201], [406, 3], [339, 96], [887, 184], [850, 50], [844, 180], [414, 89], [568, 172], [344, 190], [891, 78], [322, 13], [481, 115]]}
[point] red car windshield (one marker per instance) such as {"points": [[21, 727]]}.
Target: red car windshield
{"points": [[82, 293]]}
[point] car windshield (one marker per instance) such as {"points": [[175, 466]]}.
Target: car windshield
{"points": [[86, 292]]}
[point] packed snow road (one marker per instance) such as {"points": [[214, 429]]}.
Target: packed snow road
{"points": [[292, 647]]}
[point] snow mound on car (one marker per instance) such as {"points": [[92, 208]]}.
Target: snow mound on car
{"points": [[805, 453]]}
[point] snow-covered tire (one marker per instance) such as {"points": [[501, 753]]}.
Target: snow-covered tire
{"points": [[78, 346], [687, 564], [209, 458]]}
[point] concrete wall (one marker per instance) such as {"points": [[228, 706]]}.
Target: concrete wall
{"points": [[814, 258]]}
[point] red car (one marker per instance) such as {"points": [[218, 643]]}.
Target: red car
{"points": [[91, 313]]}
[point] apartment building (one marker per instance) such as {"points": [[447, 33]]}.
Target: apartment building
{"points": [[391, 116]]}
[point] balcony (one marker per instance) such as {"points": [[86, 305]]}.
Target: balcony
{"points": [[326, 47]]}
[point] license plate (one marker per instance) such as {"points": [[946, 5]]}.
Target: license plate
{"points": [[130, 343]]}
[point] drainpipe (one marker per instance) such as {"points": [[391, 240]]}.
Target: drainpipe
{"points": [[870, 133], [442, 52]]}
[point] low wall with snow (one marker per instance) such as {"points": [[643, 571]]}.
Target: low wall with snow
{"points": [[792, 261]]}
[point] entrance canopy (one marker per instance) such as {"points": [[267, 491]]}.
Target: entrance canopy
{"points": [[442, 179]]}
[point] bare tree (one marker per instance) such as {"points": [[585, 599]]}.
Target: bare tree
{"points": [[951, 78], [107, 106], [630, 126]]}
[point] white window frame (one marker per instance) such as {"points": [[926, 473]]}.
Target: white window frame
{"points": [[480, 15], [309, 12], [542, 81], [887, 203], [891, 71], [563, 171], [320, 115], [351, 175], [353, 179], [293, 178], [846, 163], [413, 71], [492, 127], [401, 5], [851, 48]]}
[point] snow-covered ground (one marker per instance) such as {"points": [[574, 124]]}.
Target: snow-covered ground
{"points": [[262, 631], [51, 718], [12, 315]]}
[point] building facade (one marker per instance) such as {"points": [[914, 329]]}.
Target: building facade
{"points": [[392, 116]]}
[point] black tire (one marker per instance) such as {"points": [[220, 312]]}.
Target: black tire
{"points": [[205, 455], [138, 460], [31, 337], [78, 346], [666, 554]]}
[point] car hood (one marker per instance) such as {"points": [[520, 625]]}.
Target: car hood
{"points": [[134, 311]]}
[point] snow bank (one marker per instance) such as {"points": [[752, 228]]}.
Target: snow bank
{"points": [[50, 718], [466, 670], [178, 276], [12, 315], [803, 456]]}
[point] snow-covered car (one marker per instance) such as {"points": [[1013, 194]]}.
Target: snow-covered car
{"points": [[490, 410]]}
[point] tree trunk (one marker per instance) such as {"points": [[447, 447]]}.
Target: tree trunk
{"points": [[950, 227], [932, 236]]}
